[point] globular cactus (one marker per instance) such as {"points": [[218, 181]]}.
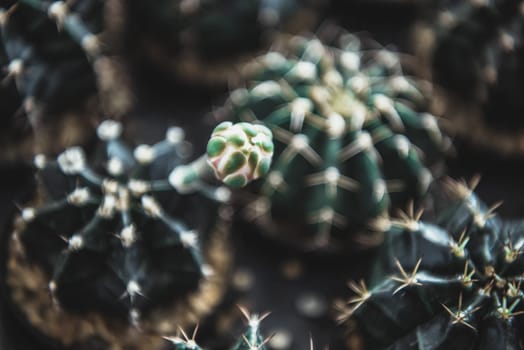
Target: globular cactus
{"points": [[353, 138], [251, 339], [187, 36], [473, 51], [61, 60], [123, 234], [456, 284]]}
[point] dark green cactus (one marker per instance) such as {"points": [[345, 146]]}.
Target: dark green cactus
{"points": [[456, 284], [478, 59], [47, 43], [59, 58], [352, 138], [126, 231], [205, 31], [251, 339]]}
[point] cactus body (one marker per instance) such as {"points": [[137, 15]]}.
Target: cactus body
{"points": [[65, 68], [451, 285], [129, 235], [15, 134], [477, 58], [352, 137], [49, 45]]}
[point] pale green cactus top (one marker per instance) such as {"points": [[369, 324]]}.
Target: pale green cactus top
{"points": [[240, 153]]}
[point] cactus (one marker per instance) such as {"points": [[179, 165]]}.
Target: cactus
{"points": [[129, 233], [60, 57], [352, 139], [455, 284], [476, 57], [251, 339], [203, 33], [15, 133]]}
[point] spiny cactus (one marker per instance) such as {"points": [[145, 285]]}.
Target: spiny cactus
{"points": [[477, 57], [59, 57], [352, 138], [456, 284], [15, 132], [250, 340], [126, 232], [213, 32]]}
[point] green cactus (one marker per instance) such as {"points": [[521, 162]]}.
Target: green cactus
{"points": [[477, 58], [189, 35], [251, 339], [451, 285], [126, 232], [352, 138]]}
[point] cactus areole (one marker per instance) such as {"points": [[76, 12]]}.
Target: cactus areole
{"points": [[352, 138], [456, 284], [130, 234]]}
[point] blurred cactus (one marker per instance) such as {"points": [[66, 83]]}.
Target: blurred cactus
{"points": [[251, 339], [352, 138], [473, 51], [126, 232], [189, 36], [15, 133], [453, 285], [59, 61]]}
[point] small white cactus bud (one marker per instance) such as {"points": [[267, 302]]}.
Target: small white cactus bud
{"points": [[144, 154], [189, 238], [108, 206], [304, 70], [151, 206], [16, 67], [222, 194], [133, 288], [57, 11], [138, 187], [335, 125], [350, 61], [240, 153], [40, 161], [175, 135], [72, 161], [76, 242], [109, 130], [128, 236], [115, 167], [273, 59], [79, 196], [28, 214], [266, 89]]}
